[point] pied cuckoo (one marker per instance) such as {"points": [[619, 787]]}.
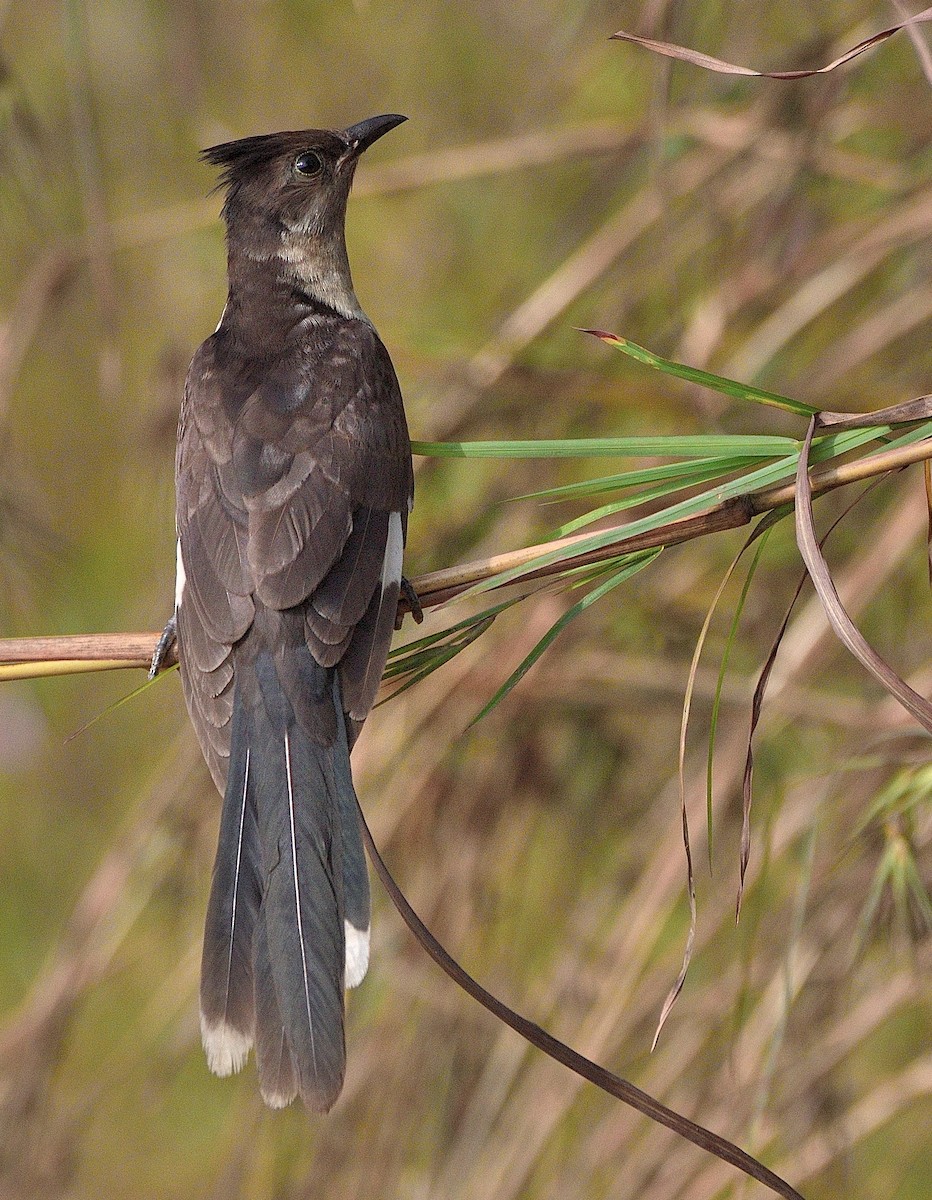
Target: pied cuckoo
{"points": [[294, 485]]}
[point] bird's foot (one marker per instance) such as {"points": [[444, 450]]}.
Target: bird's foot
{"points": [[412, 603], [164, 646]]}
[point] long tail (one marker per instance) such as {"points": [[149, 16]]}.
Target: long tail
{"points": [[288, 918]]}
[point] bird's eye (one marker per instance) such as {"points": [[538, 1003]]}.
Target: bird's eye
{"points": [[308, 164]]}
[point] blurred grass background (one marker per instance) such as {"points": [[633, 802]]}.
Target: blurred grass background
{"points": [[547, 179]]}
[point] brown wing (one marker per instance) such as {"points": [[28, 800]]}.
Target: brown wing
{"points": [[293, 493], [217, 606]]}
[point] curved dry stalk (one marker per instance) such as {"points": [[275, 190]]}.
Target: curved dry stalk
{"points": [[31, 657], [698, 59], [560, 1052], [848, 633]]}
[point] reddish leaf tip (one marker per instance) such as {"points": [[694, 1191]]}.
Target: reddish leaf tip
{"points": [[600, 333]]}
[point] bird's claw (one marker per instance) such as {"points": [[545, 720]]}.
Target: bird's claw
{"points": [[412, 602], [164, 645]]}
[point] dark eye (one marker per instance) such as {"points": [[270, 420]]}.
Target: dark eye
{"points": [[309, 163]]}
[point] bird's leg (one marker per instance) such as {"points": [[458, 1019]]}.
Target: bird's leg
{"points": [[412, 602], [164, 646]]}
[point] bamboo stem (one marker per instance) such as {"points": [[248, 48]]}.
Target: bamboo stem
{"points": [[24, 658]]}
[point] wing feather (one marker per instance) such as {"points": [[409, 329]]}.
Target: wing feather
{"points": [[290, 479]]}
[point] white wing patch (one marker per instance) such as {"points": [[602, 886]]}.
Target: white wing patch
{"points": [[357, 955], [179, 575], [394, 550]]}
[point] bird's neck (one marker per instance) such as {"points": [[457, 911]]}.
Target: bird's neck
{"points": [[277, 278]]}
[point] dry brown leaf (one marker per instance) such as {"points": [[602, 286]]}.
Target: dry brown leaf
{"points": [[698, 59], [918, 706]]}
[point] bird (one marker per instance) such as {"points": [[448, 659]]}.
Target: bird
{"points": [[294, 484]]}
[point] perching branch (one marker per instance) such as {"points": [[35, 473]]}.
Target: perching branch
{"points": [[25, 658]]}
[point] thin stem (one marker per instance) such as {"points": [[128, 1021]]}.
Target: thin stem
{"points": [[61, 655]]}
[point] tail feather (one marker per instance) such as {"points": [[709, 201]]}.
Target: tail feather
{"points": [[227, 990], [356, 903], [301, 838], [277, 1080], [288, 918], [302, 909]]}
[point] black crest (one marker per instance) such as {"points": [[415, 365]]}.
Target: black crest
{"points": [[246, 157]]}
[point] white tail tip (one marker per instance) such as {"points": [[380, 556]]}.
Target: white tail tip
{"points": [[226, 1048], [276, 1099], [357, 954]]}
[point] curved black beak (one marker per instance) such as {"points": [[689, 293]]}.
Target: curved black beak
{"points": [[360, 137]]}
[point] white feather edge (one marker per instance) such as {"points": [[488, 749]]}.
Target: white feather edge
{"points": [[394, 551], [357, 955], [179, 575], [276, 1099], [357, 940], [226, 1048]]}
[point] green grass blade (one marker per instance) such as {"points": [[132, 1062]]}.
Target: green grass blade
{"points": [[111, 708], [441, 647], [431, 639], [762, 477], [685, 469], [919, 434], [430, 654], [641, 497], [635, 563], [579, 577], [442, 656], [715, 383], [673, 445], [424, 662]]}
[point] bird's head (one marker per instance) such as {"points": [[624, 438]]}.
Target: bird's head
{"points": [[286, 193]]}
